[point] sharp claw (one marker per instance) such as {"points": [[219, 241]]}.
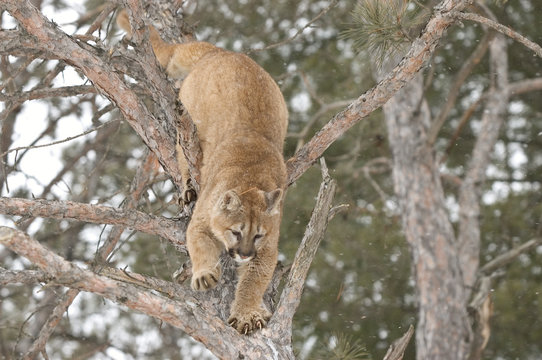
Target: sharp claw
{"points": [[246, 329], [259, 324]]}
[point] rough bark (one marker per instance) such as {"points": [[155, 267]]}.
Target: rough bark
{"points": [[170, 230], [291, 294], [443, 330]]}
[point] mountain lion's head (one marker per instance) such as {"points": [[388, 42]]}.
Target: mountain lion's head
{"points": [[244, 222]]}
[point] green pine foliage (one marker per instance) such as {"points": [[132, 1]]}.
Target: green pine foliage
{"points": [[344, 347], [382, 28]]}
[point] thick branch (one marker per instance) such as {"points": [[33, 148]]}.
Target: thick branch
{"points": [[194, 313], [420, 51], [22, 277], [171, 230], [188, 314], [17, 43], [187, 136]]}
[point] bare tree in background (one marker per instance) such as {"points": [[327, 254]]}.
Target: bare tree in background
{"points": [[451, 286]]}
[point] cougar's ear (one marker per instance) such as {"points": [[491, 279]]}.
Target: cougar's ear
{"points": [[229, 201], [273, 199]]}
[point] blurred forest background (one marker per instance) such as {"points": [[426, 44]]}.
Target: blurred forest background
{"points": [[360, 289]]}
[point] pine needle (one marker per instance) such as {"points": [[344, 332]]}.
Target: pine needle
{"points": [[345, 348], [383, 27]]}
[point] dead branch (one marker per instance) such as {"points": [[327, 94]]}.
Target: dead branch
{"points": [[397, 349], [171, 230], [537, 49], [314, 233], [508, 257]]}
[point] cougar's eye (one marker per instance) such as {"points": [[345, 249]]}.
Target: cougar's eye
{"points": [[258, 236], [236, 233]]}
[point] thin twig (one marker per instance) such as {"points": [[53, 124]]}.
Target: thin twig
{"points": [[59, 141], [299, 31], [500, 28], [460, 78], [49, 92]]}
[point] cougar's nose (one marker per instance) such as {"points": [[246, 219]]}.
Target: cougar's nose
{"points": [[247, 255]]}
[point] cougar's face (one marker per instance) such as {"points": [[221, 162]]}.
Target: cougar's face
{"points": [[243, 222]]}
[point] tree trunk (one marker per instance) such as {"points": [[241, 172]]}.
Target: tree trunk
{"points": [[443, 329]]}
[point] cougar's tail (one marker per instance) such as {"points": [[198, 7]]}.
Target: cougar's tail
{"points": [[177, 59]]}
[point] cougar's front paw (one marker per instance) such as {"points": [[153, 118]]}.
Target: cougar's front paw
{"points": [[205, 279], [248, 320]]}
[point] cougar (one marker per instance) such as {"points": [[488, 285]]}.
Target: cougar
{"points": [[241, 120]]}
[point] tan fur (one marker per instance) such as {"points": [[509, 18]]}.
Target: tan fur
{"points": [[241, 119]]}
